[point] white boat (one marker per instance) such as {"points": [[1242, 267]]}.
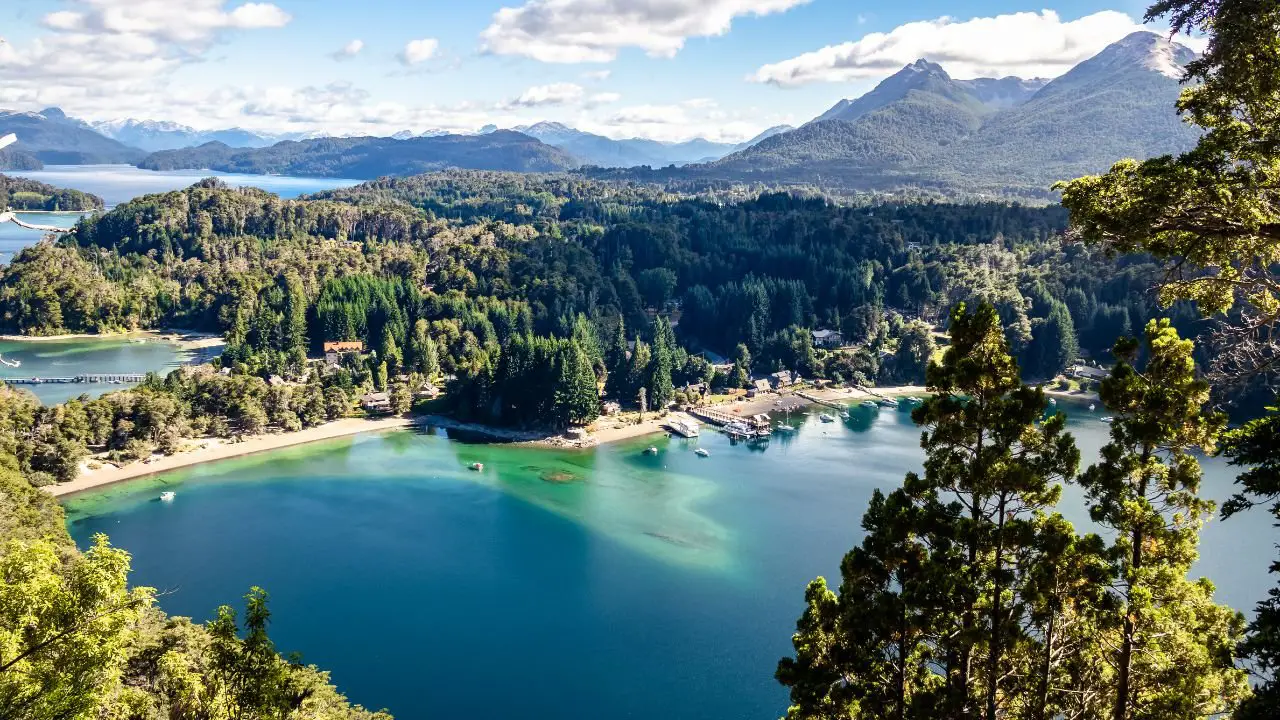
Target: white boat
{"points": [[784, 429], [10, 363], [1107, 419], [869, 404], [844, 415], [826, 418], [683, 428], [168, 495], [1053, 401], [1092, 407], [651, 450], [702, 453], [477, 466], [888, 403]]}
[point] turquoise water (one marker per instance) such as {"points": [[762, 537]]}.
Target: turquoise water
{"points": [[58, 358], [120, 183], [569, 584], [14, 238]]}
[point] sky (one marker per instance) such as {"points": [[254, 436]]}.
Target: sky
{"points": [[663, 69]]}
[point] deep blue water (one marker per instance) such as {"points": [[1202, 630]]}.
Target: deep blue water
{"points": [[120, 183], [580, 585]]}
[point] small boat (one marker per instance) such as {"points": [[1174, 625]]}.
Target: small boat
{"points": [[888, 403], [477, 466], [869, 404], [913, 401], [1092, 407], [1107, 419], [844, 415], [826, 418], [651, 450], [701, 453], [168, 495], [784, 429], [1053, 401]]}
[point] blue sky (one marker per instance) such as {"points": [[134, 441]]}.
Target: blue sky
{"points": [[666, 69]]}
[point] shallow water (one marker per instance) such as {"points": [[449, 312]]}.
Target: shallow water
{"points": [[14, 238], [61, 358], [583, 584], [120, 183]]}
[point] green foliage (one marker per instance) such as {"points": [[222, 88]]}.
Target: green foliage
{"points": [[23, 194], [1174, 653], [371, 157]]}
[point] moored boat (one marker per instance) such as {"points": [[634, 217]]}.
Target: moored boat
{"points": [[683, 428], [824, 417], [168, 495], [869, 404], [701, 453], [477, 466]]}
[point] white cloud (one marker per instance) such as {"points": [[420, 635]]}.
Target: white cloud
{"points": [[597, 75], [553, 94], [604, 98], [569, 31], [101, 51], [349, 50], [1026, 44], [418, 51]]}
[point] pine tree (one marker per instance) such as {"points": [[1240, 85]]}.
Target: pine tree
{"points": [[615, 361], [1173, 656], [988, 450], [662, 365]]}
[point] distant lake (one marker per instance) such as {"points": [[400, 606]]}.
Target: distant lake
{"points": [[121, 183], [577, 585], [81, 356]]}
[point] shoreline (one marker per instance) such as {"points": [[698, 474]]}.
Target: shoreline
{"points": [[219, 449], [607, 430], [184, 339]]}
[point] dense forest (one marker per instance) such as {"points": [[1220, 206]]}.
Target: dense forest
{"points": [[22, 194], [472, 260]]}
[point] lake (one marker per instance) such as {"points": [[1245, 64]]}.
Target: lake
{"points": [[116, 184], [604, 583], [79, 356], [14, 238]]}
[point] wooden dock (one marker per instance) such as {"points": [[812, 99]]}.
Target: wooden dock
{"points": [[100, 378], [819, 401]]}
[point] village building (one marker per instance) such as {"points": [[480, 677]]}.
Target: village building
{"points": [[335, 349], [1088, 372], [611, 408], [376, 402], [827, 338], [781, 379]]}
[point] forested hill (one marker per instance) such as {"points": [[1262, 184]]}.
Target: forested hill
{"points": [[477, 256], [370, 157], [21, 194]]}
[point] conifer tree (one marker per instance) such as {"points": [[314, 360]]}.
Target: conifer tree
{"points": [[1173, 650], [662, 365]]}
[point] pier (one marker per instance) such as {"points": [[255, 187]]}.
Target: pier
{"points": [[818, 401], [13, 218], [101, 378]]}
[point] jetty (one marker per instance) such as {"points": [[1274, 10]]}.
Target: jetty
{"points": [[819, 401], [10, 216], [94, 378], [720, 418]]}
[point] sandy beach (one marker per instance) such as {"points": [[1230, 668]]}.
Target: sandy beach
{"points": [[185, 339], [216, 449], [605, 430]]}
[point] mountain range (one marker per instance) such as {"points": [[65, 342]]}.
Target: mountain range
{"points": [[918, 128], [371, 157]]}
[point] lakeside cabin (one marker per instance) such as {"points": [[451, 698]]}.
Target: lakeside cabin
{"points": [[1088, 372], [335, 349], [827, 338], [376, 402]]}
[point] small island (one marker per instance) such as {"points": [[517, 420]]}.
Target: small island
{"points": [[31, 196]]}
